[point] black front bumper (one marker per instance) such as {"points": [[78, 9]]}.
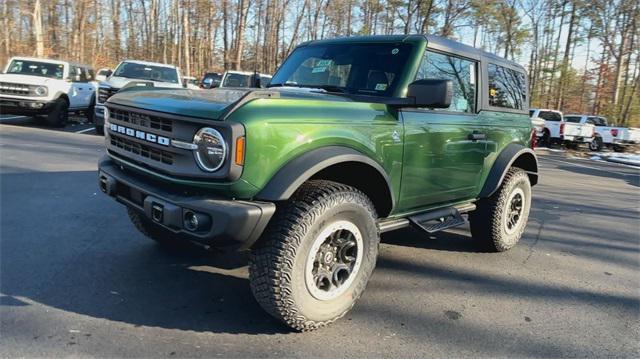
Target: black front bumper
{"points": [[13, 106], [230, 223]]}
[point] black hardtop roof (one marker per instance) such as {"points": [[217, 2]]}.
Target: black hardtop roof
{"points": [[433, 42]]}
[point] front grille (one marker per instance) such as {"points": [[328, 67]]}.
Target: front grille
{"points": [[105, 92], [142, 120], [14, 89], [142, 149]]}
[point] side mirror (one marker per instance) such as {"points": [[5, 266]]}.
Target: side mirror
{"points": [[431, 93]]}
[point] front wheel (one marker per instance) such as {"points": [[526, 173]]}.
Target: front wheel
{"points": [[499, 221], [316, 257], [59, 114]]}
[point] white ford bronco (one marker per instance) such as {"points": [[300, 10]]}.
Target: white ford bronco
{"points": [[43, 87], [134, 73]]}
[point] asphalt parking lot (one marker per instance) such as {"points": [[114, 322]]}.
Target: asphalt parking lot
{"points": [[76, 279]]}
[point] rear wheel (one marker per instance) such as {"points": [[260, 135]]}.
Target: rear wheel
{"points": [[59, 114], [317, 255], [90, 114], [499, 221], [596, 144], [545, 140], [99, 130]]}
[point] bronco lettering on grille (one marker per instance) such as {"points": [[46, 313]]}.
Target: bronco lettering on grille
{"points": [[146, 136]]}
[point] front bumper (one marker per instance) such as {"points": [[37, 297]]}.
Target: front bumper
{"points": [[28, 107], [229, 223]]}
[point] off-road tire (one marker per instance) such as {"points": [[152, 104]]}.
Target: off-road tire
{"points": [[277, 262], [618, 148], [99, 130], [596, 144], [90, 113], [59, 114], [487, 222], [545, 139], [153, 231]]}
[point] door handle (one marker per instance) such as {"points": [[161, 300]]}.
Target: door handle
{"points": [[476, 136]]}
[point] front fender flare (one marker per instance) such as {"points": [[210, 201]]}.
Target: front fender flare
{"points": [[295, 172], [513, 155]]}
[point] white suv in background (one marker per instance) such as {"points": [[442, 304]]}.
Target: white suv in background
{"points": [[134, 73], [53, 88]]}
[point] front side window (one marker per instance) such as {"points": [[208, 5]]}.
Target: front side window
{"points": [[367, 68], [507, 88], [35, 68], [137, 71], [461, 72]]}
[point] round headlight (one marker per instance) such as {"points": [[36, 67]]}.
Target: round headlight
{"points": [[211, 150], [40, 91]]}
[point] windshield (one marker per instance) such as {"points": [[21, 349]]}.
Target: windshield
{"points": [[134, 70], [35, 68], [370, 69], [237, 80]]}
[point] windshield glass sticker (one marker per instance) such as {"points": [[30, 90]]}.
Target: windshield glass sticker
{"points": [[319, 69], [323, 63], [381, 87]]}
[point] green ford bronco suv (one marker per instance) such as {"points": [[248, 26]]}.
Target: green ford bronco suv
{"points": [[353, 137]]}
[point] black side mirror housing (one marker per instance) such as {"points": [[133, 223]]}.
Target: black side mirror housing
{"points": [[431, 93]]}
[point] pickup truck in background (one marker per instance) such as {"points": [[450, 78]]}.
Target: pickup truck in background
{"points": [[134, 73], [617, 138], [558, 131]]}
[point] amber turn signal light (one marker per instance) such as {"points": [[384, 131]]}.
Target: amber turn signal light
{"points": [[240, 151]]}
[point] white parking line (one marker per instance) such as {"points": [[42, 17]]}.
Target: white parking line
{"points": [[590, 167], [85, 130]]}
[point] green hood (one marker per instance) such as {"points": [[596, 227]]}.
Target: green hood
{"points": [[210, 104]]}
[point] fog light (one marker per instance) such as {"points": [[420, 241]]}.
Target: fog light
{"points": [[196, 221]]}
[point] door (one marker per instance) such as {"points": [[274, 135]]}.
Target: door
{"points": [[444, 149], [76, 92]]}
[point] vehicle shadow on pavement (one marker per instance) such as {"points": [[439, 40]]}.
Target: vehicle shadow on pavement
{"points": [[632, 178], [452, 240], [81, 255]]}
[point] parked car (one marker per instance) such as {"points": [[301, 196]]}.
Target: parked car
{"points": [[211, 80], [50, 88], [244, 79], [103, 74], [134, 73], [558, 131], [615, 137], [353, 137], [190, 82]]}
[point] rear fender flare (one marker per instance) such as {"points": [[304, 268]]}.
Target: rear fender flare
{"points": [[514, 155]]}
